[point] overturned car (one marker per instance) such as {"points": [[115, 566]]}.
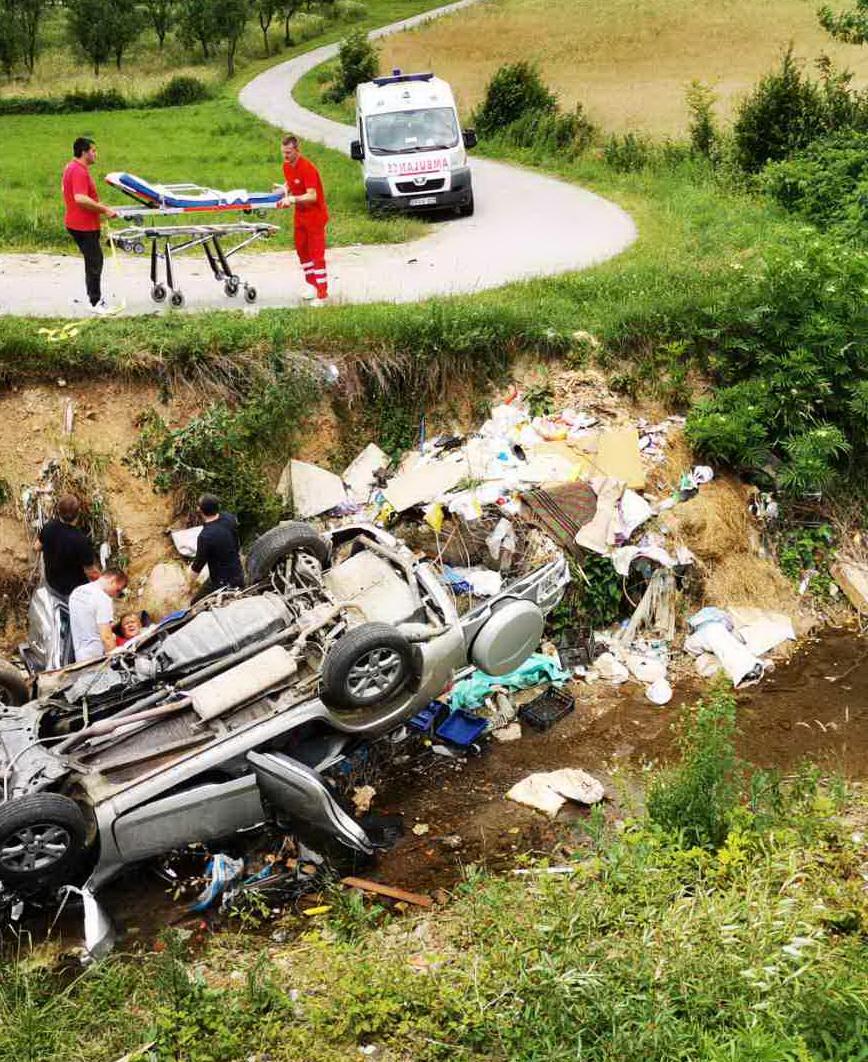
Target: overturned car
{"points": [[237, 711]]}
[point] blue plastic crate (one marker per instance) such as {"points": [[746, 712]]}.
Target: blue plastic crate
{"points": [[461, 728]]}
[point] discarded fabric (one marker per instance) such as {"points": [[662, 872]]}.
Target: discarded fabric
{"points": [[471, 692], [223, 870], [549, 791]]}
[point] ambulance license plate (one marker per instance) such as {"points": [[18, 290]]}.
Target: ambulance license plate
{"points": [[426, 200]]}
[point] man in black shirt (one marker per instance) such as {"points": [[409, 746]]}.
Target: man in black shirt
{"points": [[218, 545], [67, 553]]}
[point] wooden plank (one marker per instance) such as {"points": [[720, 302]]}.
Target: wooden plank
{"points": [[387, 890]]}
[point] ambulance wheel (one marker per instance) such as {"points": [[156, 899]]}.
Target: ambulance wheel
{"points": [[158, 293], [466, 211], [177, 299], [249, 293], [230, 287]]}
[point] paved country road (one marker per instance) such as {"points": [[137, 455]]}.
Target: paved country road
{"points": [[525, 225]]}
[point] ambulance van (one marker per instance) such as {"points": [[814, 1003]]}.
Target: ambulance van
{"points": [[411, 146]]}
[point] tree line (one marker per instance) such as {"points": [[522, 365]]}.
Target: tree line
{"points": [[102, 31]]}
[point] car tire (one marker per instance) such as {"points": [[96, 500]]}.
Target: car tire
{"points": [[42, 839], [466, 211], [271, 551], [14, 688], [366, 667]]}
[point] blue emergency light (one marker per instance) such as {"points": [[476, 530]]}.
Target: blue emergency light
{"points": [[397, 78]]}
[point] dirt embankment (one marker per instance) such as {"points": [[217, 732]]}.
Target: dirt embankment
{"points": [[33, 422]]}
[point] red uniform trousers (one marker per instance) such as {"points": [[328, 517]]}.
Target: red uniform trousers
{"points": [[310, 248]]}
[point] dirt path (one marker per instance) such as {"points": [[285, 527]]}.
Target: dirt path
{"points": [[525, 225]]}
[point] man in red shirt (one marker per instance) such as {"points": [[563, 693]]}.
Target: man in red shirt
{"points": [[303, 189], [83, 217]]}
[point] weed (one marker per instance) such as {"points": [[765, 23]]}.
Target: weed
{"points": [[702, 130], [696, 799], [808, 550]]}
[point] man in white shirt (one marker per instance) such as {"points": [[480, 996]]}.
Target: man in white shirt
{"points": [[91, 615]]}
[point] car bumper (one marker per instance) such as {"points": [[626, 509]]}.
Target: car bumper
{"points": [[381, 196]]}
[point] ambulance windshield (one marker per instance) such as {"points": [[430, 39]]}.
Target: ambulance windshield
{"points": [[403, 132]]}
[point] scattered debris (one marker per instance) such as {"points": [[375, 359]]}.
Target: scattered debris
{"points": [[363, 796], [549, 791], [387, 890], [224, 870], [853, 580], [312, 490], [421, 828]]}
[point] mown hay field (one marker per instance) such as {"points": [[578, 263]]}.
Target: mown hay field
{"points": [[627, 61]]}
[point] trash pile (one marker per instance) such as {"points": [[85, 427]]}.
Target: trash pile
{"points": [[489, 506]]}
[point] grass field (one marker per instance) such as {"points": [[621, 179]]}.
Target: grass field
{"points": [[145, 67], [627, 62], [215, 143]]}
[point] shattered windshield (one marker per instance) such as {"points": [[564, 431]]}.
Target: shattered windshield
{"points": [[405, 132]]}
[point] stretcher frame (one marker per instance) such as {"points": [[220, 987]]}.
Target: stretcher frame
{"points": [[169, 241]]}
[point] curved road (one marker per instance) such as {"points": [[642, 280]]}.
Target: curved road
{"points": [[525, 225]]}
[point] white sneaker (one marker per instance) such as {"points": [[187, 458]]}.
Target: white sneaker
{"points": [[102, 308], [309, 294], [317, 303]]}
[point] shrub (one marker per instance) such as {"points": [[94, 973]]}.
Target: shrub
{"points": [[350, 10], [175, 93], [731, 427], [547, 131], [827, 183], [515, 90], [358, 62], [696, 799], [628, 152], [179, 91], [702, 130], [784, 113]]}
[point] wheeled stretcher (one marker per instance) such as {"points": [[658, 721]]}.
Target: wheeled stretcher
{"points": [[157, 198], [169, 241]]}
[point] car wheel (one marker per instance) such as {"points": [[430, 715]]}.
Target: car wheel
{"points": [[368, 666], [466, 211], [284, 555], [14, 688], [42, 838]]}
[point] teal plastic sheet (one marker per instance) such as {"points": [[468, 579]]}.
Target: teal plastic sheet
{"points": [[471, 692]]}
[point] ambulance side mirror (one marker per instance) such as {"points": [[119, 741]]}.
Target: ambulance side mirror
{"points": [[356, 152], [470, 138]]}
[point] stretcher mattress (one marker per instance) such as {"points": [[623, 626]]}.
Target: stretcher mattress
{"points": [[190, 197]]}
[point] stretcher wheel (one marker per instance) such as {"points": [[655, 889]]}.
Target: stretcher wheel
{"points": [[138, 247], [249, 293], [230, 288], [177, 299], [137, 221], [158, 293]]}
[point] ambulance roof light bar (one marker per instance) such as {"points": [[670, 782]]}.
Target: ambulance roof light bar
{"points": [[397, 78]]}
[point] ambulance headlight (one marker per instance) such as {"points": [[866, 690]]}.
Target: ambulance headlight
{"points": [[375, 166]]}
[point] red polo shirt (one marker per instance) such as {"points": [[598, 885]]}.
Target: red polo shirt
{"points": [[78, 181], [299, 178]]}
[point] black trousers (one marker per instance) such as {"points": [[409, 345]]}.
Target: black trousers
{"points": [[90, 246]]}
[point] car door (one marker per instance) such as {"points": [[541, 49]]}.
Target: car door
{"points": [[199, 813], [299, 795]]}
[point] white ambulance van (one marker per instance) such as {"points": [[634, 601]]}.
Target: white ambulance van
{"points": [[412, 149]]}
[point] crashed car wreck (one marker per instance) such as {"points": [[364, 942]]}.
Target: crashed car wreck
{"points": [[236, 712]]}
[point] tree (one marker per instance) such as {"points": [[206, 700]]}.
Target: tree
{"points": [[230, 18], [10, 38], [197, 24], [161, 15], [358, 62], [125, 24], [265, 12], [28, 15], [287, 9], [90, 30], [849, 26]]}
